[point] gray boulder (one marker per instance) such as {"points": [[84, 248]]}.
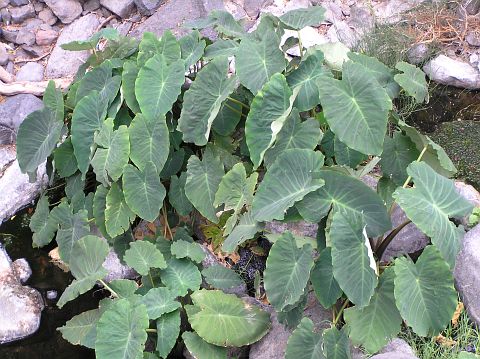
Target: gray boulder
{"points": [[21, 306], [65, 63], [117, 270], [148, 7], [16, 108], [122, 8], [66, 10], [18, 2], [467, 275], [31, 71], [20, 14], [451, 72]]}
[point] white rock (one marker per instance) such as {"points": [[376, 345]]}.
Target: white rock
{"points": [[447, 71], [390, 11]]}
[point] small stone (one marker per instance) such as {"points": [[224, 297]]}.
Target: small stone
{"points": [[397, 346], [4, 56], [122, 8], [117, 270], [253, 7], [25, 37], [91, 5], [418, 54], [34, 50], [66, 10], [148, 7], [473, 38], [31, 71], [18, 2], [299, 228], [20, 14], [38, 7], [47, 16], [46, 37], [10, 35], [361, 19], [52, 294], [22, 269]]}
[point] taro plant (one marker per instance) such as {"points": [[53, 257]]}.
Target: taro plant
{"points": [[239, 133]]}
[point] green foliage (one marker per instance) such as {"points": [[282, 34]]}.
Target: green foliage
{"points": [[241, 147]]}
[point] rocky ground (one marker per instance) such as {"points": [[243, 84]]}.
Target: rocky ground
{"points": [[33, 30]]}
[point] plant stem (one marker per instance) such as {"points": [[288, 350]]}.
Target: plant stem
{"points": [[167, 226], [300, 46], [238, 102], [234, 110], [388, 239], [115, 294], [340, 312], [151, 279], [418, 160], [151, 330]]}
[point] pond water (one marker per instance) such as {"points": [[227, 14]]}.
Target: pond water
{"points": [[47, 342]]}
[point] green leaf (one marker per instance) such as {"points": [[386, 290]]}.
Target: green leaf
{"points": [[64, 157], [87, 118], [221, 48], [41, 224], [112, 153], [376, 324], [177, 196], [125, 288], [129, 75], [157, 97], [151, 46], [192, 48], [100, 79], [174, 163], [362, 123], [99, 206], [121, 331], [180, 276], [257, 61], [37, 137], [53, 100], [287, 271], [203, 179], [431, 204], [424, 292], [465, 355], [72, 228], [81, 329], [226, 320], [246, 229], [88, 255], [304, 343], [379, 71], [354, 267], [168, 326], [299, 18], [118, 215], [324, 283], [106, 33], [346, 193], [294, 134], [287, 181], [335, 344], [142, 256], [149, 141], [308, 77], [398, 153], [200, 349], [201, 107], [192, 250], [412, 80], [220, 277], [159, 301], [228, 117], [344, 155], [226, 24], [144, 193], [269, 110]]}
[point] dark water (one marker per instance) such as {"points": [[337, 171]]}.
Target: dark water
{"points": [[47, 342]]}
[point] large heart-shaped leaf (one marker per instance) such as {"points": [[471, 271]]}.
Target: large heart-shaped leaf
{"points": [[129, 75], [287, 271], [221, 277], [362, 123], [121, 331], [150, 46], [53, 100], [412, 80], [304, 343], [192, 48], [376, 324], [424, 292], [201, 107], [346, 193], [118, 215], [200, 349], [221, 48], [299, 18], [64, 157], [142, 256], [182, 249], [344, 155], [226, 320], [257, 61], [308, 78], [180, 276], [81, 329], [158, 85], [324, 283], [87, 118], [203, 179], [88, 255], [99, 205], [336, 344], [99, 79], [159, 301], [287, 181], [398, 152], [112, 153], [144, 193], [168, 327], [246, 229], [354, 267], [431, 204], [270, 109]]}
